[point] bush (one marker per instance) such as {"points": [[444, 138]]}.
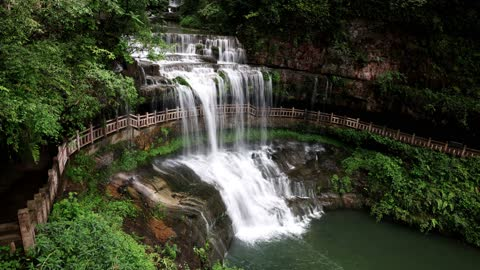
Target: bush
{"points": [[420, 187], [76, 237], [81, 168], [191, 22], [11, 261]]}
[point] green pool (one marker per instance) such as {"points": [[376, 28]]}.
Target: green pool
{"points": [[354, 240]]}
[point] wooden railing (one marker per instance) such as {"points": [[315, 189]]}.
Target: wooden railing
{"points": [[38, 209], [91, 135]]}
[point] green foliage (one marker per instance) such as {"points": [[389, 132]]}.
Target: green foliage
{"points": [[420, 187], [339, 81], [81, 168], [341, 185], [170, 251], [85, 233], [211, 11], [202, 253], [302, 137], [55, 64], [445, 107], [10, 260], [159, 212], [276, 77], [387, 80], [182, 81], [191, 22]]}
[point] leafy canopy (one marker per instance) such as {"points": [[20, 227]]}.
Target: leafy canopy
{"points": [[56, 59]]}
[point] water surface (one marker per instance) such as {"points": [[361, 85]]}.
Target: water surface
{"points": [[354, 240]]}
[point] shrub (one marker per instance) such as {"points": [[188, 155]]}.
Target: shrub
{"points": [[78, 238], [191, 22]]}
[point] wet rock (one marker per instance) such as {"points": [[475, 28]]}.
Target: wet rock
{"points": [[330, 201], [133, 193], [353, 201], [162, 232], [209, 59], [334, 201], [194, 212]]}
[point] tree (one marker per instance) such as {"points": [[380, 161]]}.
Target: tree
{"points": [[55, 59]]}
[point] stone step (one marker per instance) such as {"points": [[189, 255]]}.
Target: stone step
{"points": [[6, 227], [6, 239]]}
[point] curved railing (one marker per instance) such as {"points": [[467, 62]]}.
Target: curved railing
{"points": [[91, 135], [38, 209]]}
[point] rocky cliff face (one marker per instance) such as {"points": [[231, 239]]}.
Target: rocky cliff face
{"points": [[341, 76], [368, 53]]}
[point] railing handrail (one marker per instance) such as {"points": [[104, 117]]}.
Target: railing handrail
{"points": [[137, 121]]}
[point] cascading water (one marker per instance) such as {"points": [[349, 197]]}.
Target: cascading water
{"points": [[225, 49], [256, 192], [175, 3]]}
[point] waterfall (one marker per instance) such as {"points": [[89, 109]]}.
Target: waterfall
{"points": [[257, 194], [175, 3], [143, 76], [186, 101], [314, 94], [223, 48], [255, 191]]}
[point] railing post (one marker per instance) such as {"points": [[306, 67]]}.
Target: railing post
{"points": [[293, 112], [464, 151], [370, 127], [155, 117], [27, 229], [413, 139], [139, 123], [116, 124], [331, 117], [357, 123], [305, 115], [91, 133], [32, 211], [318, 116], [446, 147], [39, 208], [178, 114], [78, 140], [46, 198], [166, 114], [397, 137], [429, 143]]}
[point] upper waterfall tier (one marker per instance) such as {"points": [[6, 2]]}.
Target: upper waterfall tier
{"points": [[224, 48], [199, 47], [175, 3]]}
